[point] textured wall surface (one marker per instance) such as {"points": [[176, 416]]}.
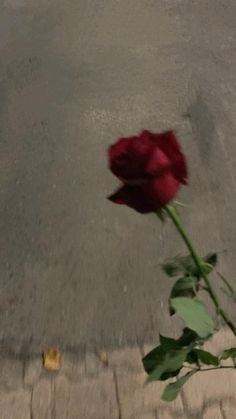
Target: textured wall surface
{"points": [[74, 76]]}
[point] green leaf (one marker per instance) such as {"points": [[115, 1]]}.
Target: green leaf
{"points": [[206, 357], [172, 390], [194, 313], [208, 263], [172, 267], [157, 355], [211, 258], [153, 358], [183, 265], [206, 268], [169, 374], [188, 337], [229, 353], [184, 287], [169, 344], [172, 362], [192, 358], [178, 265]]}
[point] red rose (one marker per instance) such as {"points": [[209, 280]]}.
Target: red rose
{"points": [[151, 168]]}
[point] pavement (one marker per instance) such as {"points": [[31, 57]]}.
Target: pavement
{"points": [[88, 388]]}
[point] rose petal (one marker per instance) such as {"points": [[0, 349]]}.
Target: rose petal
{"points": [[180, 169], [115, 151], [133, 197], [167, 141], [161, 190], [129, 156], [158, 163], [150, 196], [169, 144]]}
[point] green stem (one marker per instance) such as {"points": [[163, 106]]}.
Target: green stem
{"points": [[174, 217], [230, 288], [221, 367]]}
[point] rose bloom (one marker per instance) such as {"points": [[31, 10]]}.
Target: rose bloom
{"points": [[151, 167]]}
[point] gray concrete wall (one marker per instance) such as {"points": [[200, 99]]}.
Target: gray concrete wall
{"points": [[74, 76]]}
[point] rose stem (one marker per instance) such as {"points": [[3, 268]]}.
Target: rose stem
{"points": [[170, 210]]}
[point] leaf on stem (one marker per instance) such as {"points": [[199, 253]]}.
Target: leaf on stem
{"points": [[194, 313], [170, 363], [178, 265], [204, 357], [168, 349], [172, 390], [185, 265], [229, 353], [169, 344], [188, 337], [211, 258], [157, 358], [184, 287], [153, 358], [208, 263]]}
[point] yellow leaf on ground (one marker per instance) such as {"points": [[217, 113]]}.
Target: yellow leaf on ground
{"points": [[103, 357], [52, 359]]}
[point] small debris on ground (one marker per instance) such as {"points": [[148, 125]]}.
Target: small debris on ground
{"points": [[52, 359], [103, 358]]}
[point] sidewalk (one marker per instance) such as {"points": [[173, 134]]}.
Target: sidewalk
{"points": [[111, 386]]}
